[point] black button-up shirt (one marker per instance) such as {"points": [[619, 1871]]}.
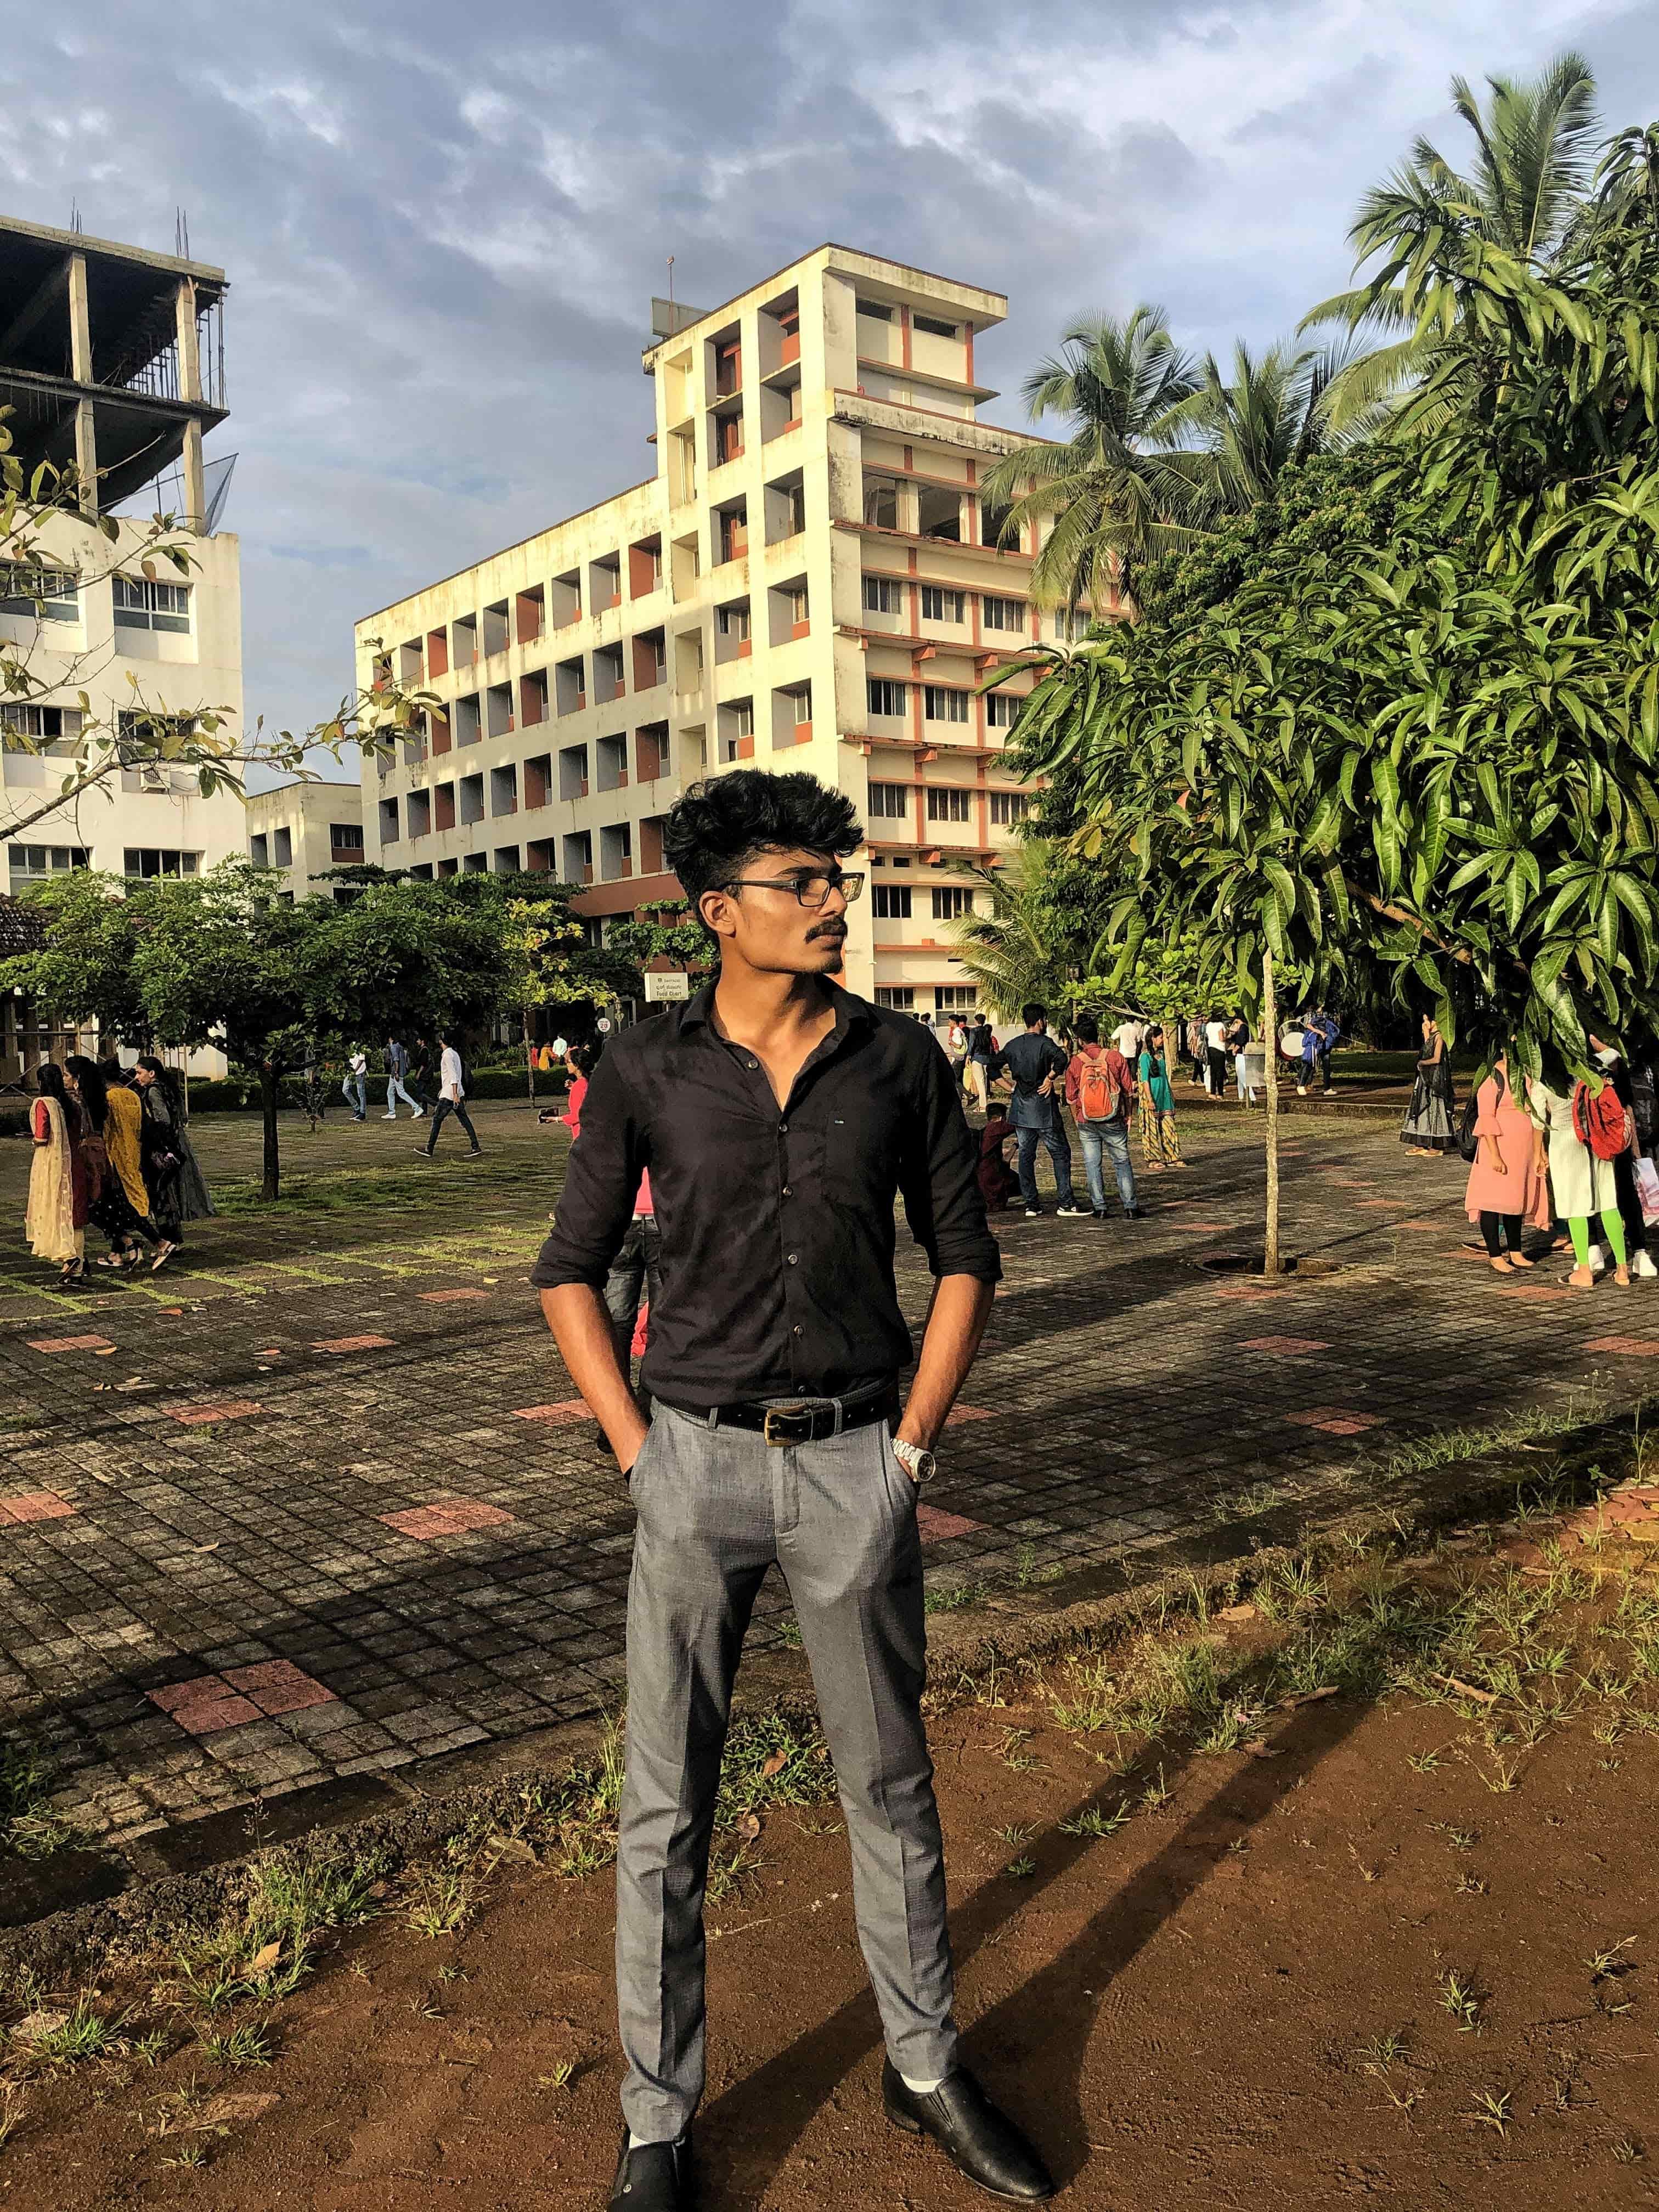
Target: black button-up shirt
{"points": [[776, 1224]]}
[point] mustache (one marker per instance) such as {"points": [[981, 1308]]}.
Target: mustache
{"points": [[836, 929]]}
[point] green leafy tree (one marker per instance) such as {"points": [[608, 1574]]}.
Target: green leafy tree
{"points": [[1432, 758], [546, 964], [1522, 194]]}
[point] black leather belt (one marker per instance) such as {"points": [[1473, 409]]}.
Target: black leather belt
{"points": [[802, 1420]]}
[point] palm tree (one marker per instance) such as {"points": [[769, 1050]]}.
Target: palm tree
{"points": [[1018, 950], [1273, 413], [1118, 484], [1524, 196]]}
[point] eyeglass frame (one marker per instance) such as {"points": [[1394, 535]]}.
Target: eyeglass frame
{"points": [[849, 881]]}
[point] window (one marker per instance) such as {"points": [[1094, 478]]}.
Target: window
{"points": [[51, 593], [1002, 709], [728, 437], [994, 521], [874, 312], [346, 837], [933, 327], [1003, 614], [140, 604], [941, 704], [1071, 624], [259, 845], [884, 695], [939, 512], [801, 705], [732, 621], [734, 532], [32, 863], [883, 595], [881, 502], [388, 820], [158, 861], [900, 997], [43, 724], [889, 802], [955, 998], [1010, 805], [892, 902], [940, 606], [947, 803], [951, 904], [283, 840]]}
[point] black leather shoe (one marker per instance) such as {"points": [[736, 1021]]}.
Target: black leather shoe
{"points": [[979, 2140], [655, 2178]]}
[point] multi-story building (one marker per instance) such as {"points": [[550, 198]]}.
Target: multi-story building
{"points": [[811, 579], [110, 363], [303, 828]]}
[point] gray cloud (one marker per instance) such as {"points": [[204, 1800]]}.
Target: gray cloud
{"points": [[443, 227]]}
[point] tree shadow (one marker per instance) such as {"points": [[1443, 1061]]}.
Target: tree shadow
{"points": [[1029, 2047]]}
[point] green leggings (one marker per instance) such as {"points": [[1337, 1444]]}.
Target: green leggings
{"points": [[1578, 1228]]}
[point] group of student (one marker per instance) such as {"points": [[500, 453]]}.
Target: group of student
{"points": [[111, 1153], [1108, 1087]]}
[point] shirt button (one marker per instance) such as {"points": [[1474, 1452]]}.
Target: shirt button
{"points": [[783, 1128], [793, 1257], [798, 1330], [754, 1064], [788, 1190]]}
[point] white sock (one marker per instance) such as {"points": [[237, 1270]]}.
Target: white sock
{"points": [[644, 2142], [921, 2088]]}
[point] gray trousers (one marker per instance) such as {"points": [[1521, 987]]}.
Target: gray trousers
{"points": [[716, 1507]]}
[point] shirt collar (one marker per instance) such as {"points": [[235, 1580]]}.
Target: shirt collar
{"points": [[850, 1010]]}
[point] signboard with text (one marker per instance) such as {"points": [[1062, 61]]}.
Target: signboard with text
{"points": [[673, 983]]}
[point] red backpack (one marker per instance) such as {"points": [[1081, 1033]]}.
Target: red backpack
{"points": [[1098, 1095], [1600, 1121]]}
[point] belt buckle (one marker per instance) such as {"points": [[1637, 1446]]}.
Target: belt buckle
{"points": [[785, 1414]]}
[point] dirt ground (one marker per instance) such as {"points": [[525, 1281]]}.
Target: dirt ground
{"points": [[1395, 1949]]}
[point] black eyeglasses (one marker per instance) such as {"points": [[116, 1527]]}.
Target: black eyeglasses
{"points": [[811, 890]]}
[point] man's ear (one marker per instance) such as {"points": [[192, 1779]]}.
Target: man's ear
{"points": [[714, 911]]}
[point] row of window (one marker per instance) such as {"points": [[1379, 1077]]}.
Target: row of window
{"points": [[948, 998], [884, 595], [891, 902], [887, 699], [54, 594], [893, 802], [33, 864]]}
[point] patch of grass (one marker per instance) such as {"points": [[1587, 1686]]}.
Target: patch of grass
{"points": [[28, 1826], [1020, 1869], [730, 1873], [441, 1901], [1493, 2109], [251, 2044], [81, 2034], [952, 1597], [1094, 1821], [559, 2075], [1456, 1993], [1383, 2052]]}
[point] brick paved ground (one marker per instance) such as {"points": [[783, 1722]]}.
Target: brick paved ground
{"points": [[317, 1505]]}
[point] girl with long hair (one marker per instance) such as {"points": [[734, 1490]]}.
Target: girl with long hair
{"points": [[173, 1175], [56, 1220]]}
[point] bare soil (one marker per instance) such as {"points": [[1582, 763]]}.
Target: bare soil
{"points": [[1237, 1998]]}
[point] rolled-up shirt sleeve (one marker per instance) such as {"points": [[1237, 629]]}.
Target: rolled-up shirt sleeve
{"points": [[939, 1183], [597, 1204]]}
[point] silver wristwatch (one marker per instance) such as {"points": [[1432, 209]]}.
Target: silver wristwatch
{"points": [[919, 1465]]}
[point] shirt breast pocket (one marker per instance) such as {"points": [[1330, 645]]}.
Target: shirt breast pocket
{"points": [[861, 1158]]}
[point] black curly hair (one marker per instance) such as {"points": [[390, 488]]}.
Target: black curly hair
{"points": [[715, 828]]}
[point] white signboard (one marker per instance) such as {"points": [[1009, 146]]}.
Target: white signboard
{"points": [[671, 983]]}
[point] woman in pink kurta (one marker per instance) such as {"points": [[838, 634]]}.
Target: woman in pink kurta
{"points": [[1509, 1184]]}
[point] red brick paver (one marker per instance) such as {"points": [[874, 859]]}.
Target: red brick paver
{"points": [[567, 1410], [1626, 1347], [234, 1409], [449, 1297], [1285, 1347], [453, 1516], [938, 1527], [1335, 1420], [960, 1413], [33, 1506], [70, 1343], [353, 1343], [208, 1703]]}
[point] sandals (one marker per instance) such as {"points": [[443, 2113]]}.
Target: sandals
{"points": [[1581, 1279], [161, 1258]]}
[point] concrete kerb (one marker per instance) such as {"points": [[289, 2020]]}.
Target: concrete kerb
{"points": [[155, 1910]]}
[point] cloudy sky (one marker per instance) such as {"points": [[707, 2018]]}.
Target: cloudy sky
{"points": [[443, 225]]}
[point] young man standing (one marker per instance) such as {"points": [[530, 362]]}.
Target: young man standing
{"points": [[452, 1099], [1038, 1067], [779, 1117], [1100, 1089], [396, 1067]]}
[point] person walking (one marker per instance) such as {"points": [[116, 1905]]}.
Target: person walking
{"points": [[956, 1048], [1215, 1055], [123, 1126], [55, 1215], [110, 1209], [981, 1058], [452, 1099], [1427, 1127], [1508, 1187], [1320, 1032], [354, 1086], [396, 1067], [1581, 1184], [423, 1060], [1037, 1066], [172, 1174], [1238, 1043], [779, 1118], [1160, 1146], [1127, 1037], [1100, 1089]]}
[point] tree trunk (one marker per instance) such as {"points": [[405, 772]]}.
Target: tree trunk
{"points": [[529, 1052], [1270, 1038], [269, 1087]]}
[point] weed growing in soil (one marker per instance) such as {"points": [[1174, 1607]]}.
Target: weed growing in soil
{"points": [[28, 1826], [51, 2044], [252, 2044], [442, 1899], [1456, 1993]]}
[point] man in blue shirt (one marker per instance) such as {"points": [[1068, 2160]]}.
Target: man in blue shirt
{"points": [[1037, 1067]]}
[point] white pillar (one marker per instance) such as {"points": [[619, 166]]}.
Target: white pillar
{"points": [[189, 388], [86, 435]]}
